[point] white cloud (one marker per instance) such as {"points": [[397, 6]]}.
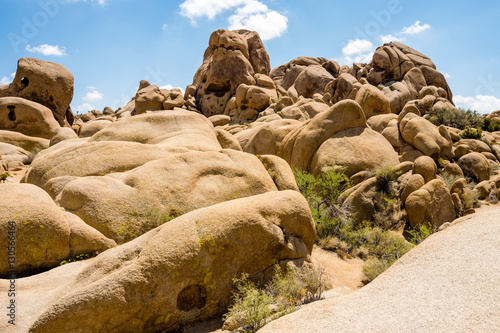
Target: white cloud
{"points": [[447, 76], [390, 38], [258, 17], [194, 9], [416, 28], [480, 103], [84, 108], [100, 2], [247, 14], [164, 27], [359, 50], [92, 96], [47, 50], [7, 80], [170, 87], [357, 46]]}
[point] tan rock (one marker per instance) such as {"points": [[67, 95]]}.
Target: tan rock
{"points": [[63, 133], [174, 128], [149, 98], [87, 116], [347, 87], [120, 183], [372, 101], [312, 80], [461, 150], [425, 136], [426, 167], [227, 140], [231, 59], [381, 121], [280, 172], [461, 189], [46, 83], [304, 109], [11, 153], [27, 117], [300, 145], [432, 203], [477, 146], [28, 143], [41, 231], [415, 182], [453, 170], [92, 127], [476, 166], [178, 273], [266, 139], [173, 98], [354, 150], [219, 120]]}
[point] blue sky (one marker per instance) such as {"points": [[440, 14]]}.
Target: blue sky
{"points": [[110, 45]]}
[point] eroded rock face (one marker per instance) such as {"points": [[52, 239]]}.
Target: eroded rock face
{"points": [[44, 234], [175, 274], [167, 161], [27, 117], [46, 83], [432, 203], [305, 76], [231, 59]]}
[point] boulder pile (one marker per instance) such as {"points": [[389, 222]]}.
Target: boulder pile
{"points": [[178, 193]]}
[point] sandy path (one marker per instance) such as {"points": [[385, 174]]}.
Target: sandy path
{"points": [[449, 283]]}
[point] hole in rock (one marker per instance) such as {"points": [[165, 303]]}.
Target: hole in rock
{"points": [[25, 82], [218, 89], [12, 113], [192, 297]]}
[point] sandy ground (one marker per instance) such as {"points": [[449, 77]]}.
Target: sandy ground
{"points": [[16, 176]]}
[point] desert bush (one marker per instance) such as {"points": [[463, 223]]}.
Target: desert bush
{"points": [[456, 118], [491, 125], [336, 229], [419, 233], [253, 306], [471, 133]]}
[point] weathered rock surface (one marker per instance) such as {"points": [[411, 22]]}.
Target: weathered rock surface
{"points": [[43, 234], [312, 145], [305, 76], [432, 204], [428, 290], [27, 117], [231, 59], [176, 274], [28, 143], [169, 161], [46, 83]]}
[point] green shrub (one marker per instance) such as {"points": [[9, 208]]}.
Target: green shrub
{"points": [[491, 125], [78, 257], [252, 306], [456, 118], [419, 233], [471, 133], [336, 229], [373, 267], [4, 176]]}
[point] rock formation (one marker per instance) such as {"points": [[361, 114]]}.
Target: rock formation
{"points": [[178, 194]]}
